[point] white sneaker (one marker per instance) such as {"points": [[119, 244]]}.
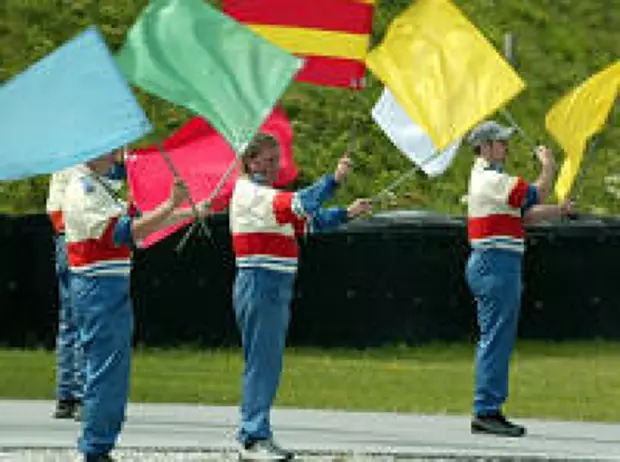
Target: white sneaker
{"points": [[264, 450]]}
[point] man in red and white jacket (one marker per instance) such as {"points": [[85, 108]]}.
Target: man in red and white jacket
{"points": [[99, 234], [498, 206], [265, 224]]}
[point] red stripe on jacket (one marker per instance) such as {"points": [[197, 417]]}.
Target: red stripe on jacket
{"points": [[268, 244], [518, 193], [495, 225], [91, 251], [283, 211], [58, 221], [283, 208]]}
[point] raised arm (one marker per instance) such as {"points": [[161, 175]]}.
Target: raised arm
{"points": [[545, 179], [311, 199], [305, 203]]}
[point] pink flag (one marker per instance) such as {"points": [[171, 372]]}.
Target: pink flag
{"points": [[201, 157]]}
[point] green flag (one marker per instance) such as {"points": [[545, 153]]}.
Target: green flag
{"points": [[191, 54]]}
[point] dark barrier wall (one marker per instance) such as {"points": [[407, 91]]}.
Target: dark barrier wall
{"points": [[27, 281], [396, 278]]}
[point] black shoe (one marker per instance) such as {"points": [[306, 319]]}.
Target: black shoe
{"points": [[98, 458], [64, 409], [496, 424], [77, 411]]}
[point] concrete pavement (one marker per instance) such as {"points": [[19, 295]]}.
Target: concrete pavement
{"points": [[189, 432]]}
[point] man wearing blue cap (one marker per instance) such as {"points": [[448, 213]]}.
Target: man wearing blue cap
{"points": [[498, 206]]}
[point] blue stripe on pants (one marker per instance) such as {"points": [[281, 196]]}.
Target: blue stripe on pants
{"points": [[494, 278], [261, 300], [69, 357], [106, 326]]}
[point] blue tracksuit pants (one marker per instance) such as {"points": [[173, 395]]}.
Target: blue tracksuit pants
{"points": [[69, 358], [261, 301], [494, 278], [105, 319]]}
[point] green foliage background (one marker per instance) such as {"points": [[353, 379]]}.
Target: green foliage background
{"points": [[559, 44]]}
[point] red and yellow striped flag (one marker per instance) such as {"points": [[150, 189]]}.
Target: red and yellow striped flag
{"points": [[332, 35]]}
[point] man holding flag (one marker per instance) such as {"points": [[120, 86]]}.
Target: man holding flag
{"points": [[99, 235], [69, 357], [265, 223], [498, 206]]}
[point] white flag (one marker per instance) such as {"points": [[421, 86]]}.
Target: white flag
{"points": [[410, 138]]}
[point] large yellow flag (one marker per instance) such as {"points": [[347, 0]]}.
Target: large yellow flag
{"points": [[442, 70], [579, 115]]}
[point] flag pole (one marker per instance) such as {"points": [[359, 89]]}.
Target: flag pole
{"points": [[177, 176], [213, 195], [385, 191], [511, 120], [510, 53], [402, 178], [175, 173]]}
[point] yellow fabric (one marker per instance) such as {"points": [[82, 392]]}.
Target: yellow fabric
{"points": [[316, 42], [577, 116], [442, 70]]}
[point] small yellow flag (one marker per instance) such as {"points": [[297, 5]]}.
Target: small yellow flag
{"points": [[577, 116], [442, 70]]}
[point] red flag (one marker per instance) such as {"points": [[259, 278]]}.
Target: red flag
{"points": [[333, 35], [201, 157]]}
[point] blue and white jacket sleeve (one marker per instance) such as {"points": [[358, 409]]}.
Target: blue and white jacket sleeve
{"points": [[310, 199], [123, 231], [326, 219], [531, 198]]}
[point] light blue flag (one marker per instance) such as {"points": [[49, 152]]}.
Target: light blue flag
{"points": [[72, 106]]}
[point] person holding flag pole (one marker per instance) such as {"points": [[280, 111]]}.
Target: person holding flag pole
{"points": [[264, 224], [99, 235], [69, 357], [498, 206]]}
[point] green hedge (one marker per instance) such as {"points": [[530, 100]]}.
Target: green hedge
{"points": [[560, 43]]}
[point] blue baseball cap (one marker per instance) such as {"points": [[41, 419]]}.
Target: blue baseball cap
{"points": [[489, 131]]}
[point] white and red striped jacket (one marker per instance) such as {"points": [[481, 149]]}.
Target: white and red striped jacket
{"points": [[495, 202], [264, 223], [56, 194], [92, 218]]}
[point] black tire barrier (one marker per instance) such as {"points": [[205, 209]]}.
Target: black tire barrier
{"points": [[395, 278]]}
